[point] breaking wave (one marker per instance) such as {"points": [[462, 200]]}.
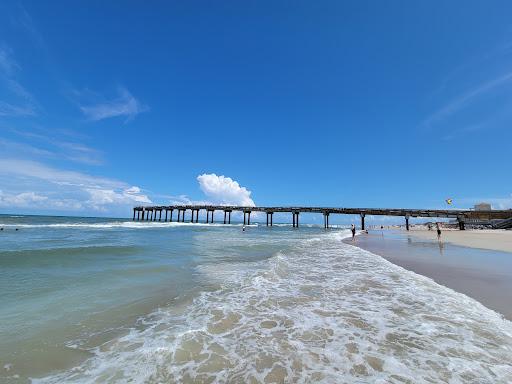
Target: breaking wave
{"points": [[323, 311]]}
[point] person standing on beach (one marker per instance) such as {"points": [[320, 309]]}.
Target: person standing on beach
{"points": [[353, 229], [438, 232]]}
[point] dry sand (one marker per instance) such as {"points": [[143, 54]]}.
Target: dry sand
{"points": [[497, 240]]}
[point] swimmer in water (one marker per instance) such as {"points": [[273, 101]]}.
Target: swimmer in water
{"points": [[243, 228], [353, 229], [438, 232]]}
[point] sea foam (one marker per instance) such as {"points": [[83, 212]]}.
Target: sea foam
{"points": [[323, 311]]}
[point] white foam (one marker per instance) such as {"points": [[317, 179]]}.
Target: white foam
{"points": [[323, 311], [118, 224]]}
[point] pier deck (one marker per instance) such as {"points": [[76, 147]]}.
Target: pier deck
{"points": [[149, 213]]}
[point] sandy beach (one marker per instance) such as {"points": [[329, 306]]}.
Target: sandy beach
{"points": [[498, 240], [476, 263]]}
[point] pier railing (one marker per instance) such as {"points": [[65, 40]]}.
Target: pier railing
{"points": [[150, 213]]}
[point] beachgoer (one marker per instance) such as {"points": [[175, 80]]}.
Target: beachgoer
{"points": [[429, 226], [353, 229], [438, 232], [243, 228]]}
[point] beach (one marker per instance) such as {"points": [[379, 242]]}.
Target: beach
{"points": [[475, 262], [110, 300], [497, 239]]}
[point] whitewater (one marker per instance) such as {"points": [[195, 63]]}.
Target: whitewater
{"points": [[282, 305]]}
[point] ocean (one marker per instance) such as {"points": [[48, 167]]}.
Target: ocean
{"points": [[88, 300]]}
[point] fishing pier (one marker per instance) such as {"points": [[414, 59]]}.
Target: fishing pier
{"points": [[154, 213]]}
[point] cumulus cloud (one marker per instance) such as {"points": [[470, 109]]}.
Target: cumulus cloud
{"points": [[123, 105], [224, 190]]}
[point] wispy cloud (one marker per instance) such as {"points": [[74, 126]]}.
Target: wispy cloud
{"points": [[465, 99], [124, 105], [49, 145], [32, 183], [22, 103], [11, 110]]}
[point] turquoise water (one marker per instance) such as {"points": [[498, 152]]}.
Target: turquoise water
{"points": [[103, 300]]}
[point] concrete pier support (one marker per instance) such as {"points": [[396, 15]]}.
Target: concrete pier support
{"points": [[326, 220], [166, 212], [208, 215], [362, 221], [407, 222], [247, 217], [160, 217], [227, 216], [170, 217], [133, 214], [295, 219], [192, 216]]}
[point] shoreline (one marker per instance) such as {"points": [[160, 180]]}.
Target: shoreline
{"points": [[493, 239], [482, 271]]}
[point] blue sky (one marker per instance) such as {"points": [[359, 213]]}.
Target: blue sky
{"points": [[331, 103]]}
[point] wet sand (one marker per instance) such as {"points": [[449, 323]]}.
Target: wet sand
{"points": [[498, 240], [483, 274]]}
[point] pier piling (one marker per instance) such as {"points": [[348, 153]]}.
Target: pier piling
{"points": [[149, 213]]}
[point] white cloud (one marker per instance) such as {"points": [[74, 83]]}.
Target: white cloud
{"points": [[465, 99], [124, 105], [224, 190], [35, 185], [24, 103], [23, 199]]}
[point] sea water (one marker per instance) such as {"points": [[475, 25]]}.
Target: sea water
{"points": [[112, 301]]}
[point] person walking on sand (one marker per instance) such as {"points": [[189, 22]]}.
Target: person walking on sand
{"points": [[353, 229], [438, 232]]}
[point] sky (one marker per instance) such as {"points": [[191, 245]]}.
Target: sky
{"points": [[108, 105]]}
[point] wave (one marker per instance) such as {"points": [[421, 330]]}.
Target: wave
{"points": [[118, 224], [322, 311]]}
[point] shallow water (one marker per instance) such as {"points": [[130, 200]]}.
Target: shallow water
{"points": [[485, 275], [94, 301]]}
